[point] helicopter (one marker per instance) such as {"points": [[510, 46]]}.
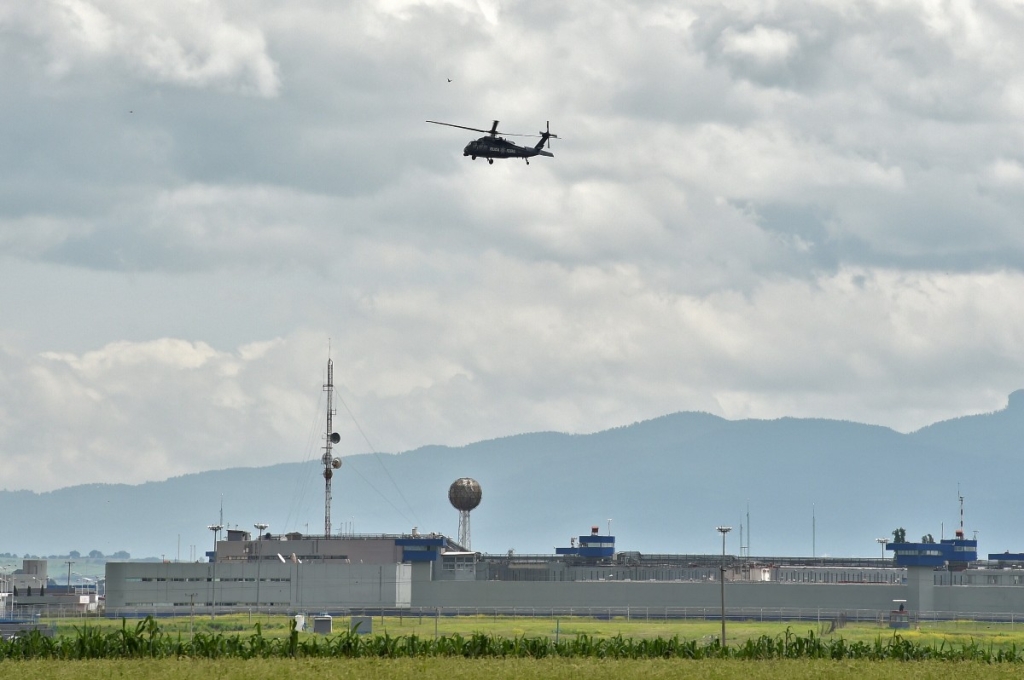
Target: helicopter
{"points": [[492, 146]]}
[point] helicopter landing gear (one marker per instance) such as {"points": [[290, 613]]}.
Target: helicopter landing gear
{"points": [[527, 160], [490, 161]]}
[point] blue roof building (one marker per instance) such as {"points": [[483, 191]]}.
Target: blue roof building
{"points": [[952, 552], [593, 546]]}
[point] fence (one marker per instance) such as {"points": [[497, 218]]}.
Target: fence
{"points": [[819, 615]]}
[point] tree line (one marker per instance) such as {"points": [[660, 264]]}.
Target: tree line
{"points": [[72, 554]]}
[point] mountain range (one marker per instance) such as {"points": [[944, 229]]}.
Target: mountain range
{"points": [[796, 486]]}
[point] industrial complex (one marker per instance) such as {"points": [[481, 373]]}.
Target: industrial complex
{"points": [[418, 572], [432, 572]]}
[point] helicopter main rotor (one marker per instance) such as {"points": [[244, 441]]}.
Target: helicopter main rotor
{"points": [[493, 132]]}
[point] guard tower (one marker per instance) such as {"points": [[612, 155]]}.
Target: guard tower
{"points": [[592, 548]]}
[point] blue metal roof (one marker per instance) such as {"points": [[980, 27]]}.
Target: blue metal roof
{"points": [[591, 545], [421, 540], [1006, 557]]}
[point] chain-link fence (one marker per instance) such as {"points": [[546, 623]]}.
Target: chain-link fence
{"points": [[767, 614]]}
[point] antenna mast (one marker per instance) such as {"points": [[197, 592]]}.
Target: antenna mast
{"points": [[960, 534], [330, 462]]}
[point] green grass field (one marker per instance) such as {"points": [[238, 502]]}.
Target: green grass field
{"points": [[495, 669], [447, 667], [951, 633]]}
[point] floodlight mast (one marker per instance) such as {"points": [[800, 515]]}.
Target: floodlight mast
{"points": [[260, 527], [215, 528], [723, 530]]}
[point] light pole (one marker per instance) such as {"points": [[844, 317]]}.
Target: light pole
{"points": [[882, 541], [260, 527], [191, 614], [215, 528], [723, 530], [5, 587]]}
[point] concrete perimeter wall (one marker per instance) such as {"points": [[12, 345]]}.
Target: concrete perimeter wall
{"points": [[139, 584], [547, 595], [970, 599], [366, 586]]}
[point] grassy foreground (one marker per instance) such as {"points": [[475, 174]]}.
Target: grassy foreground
{"points": [[494, 669], [147, 640], [996, 635]]}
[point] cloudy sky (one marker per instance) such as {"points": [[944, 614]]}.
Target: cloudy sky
{"points": [[754, 209]]}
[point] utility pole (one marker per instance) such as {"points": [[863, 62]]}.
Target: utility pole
{"points": [[69, 563]]}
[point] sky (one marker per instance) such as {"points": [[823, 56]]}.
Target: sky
{"points": [[757, 210]]}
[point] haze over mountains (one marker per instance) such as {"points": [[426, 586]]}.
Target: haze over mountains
{"points": [[664, 484]]}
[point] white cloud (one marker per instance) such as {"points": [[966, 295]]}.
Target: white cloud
{"points": [[807, 208], [140, 411], [571, 349], [761, 43], [195, 43], [1006, 171]]}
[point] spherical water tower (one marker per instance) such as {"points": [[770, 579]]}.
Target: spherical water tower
{"points": [[464, 494]]}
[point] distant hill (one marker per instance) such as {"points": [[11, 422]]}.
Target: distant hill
{"points": [[665, 483]]}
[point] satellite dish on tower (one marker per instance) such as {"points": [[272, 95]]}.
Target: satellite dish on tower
{"points": [[335, 437]]}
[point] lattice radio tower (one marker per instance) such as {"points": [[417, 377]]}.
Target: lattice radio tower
{"points": [[331, 438]]}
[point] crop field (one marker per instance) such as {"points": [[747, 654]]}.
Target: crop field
{"points": [[497, 648], [998, 635], [496, 669]]}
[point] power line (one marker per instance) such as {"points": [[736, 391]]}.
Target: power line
{"points": [[304, 481], [377, 455]]}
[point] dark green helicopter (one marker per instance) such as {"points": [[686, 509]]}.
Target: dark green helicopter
{"points": [[492, 146]]}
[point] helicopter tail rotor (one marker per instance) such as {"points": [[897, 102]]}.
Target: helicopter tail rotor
{"points": [[545, 140], [546, 136]]}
